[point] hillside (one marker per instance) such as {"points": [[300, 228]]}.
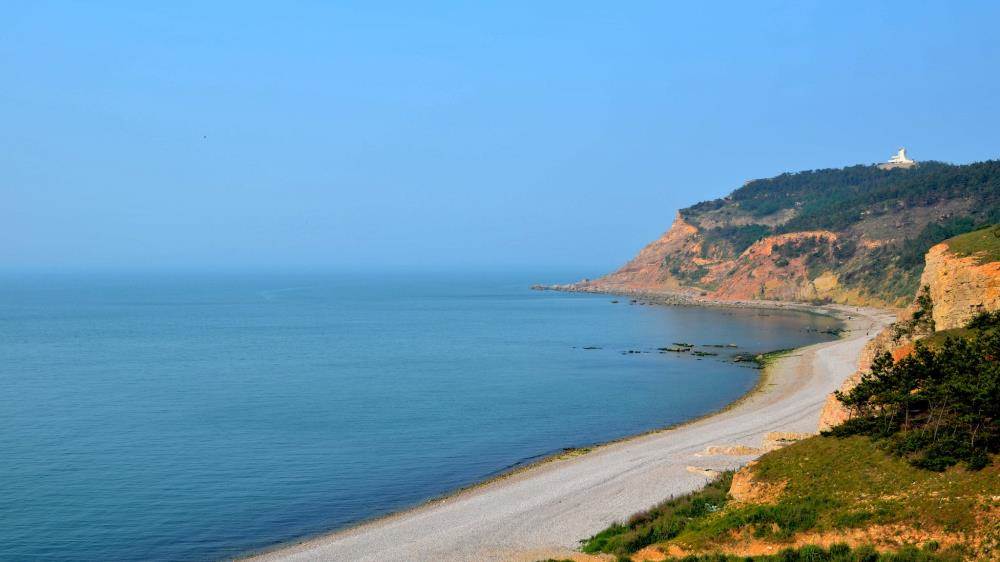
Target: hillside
{"points": [[908, 464], [854, 235]]}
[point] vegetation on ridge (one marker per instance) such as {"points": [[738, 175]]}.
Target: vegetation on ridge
{"points": [[884, 221], [936, 407], [984, 244]]}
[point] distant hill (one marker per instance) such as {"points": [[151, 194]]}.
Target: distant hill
{"points": [[854, 235]]}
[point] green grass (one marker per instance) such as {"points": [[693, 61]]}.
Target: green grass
{"points": [[937, 339], [836, 553], [983, 243], [832, 484], [663, 522], [851, 482]]}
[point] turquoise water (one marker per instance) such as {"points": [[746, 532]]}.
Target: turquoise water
{"points": [[192, 417]]}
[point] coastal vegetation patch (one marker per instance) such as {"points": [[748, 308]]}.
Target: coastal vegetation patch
{"points": [[984, 244], [937, 406], [663, 521], [829, 487]]}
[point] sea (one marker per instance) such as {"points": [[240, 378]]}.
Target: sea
{"points": [[197, 416]]}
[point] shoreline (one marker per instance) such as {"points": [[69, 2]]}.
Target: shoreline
{"points": [[315, 547]]}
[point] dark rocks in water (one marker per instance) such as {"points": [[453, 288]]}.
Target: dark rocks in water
{"points": [[703, 353], [721, 345], [682, 344], [614, 302], [747, 358], [591, 347], [631, 351], [673, 349]]}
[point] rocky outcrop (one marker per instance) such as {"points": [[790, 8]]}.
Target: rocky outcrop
{"points": [[746, 488], [960, 287], [775, 440]]}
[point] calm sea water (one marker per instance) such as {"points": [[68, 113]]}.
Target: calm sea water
{"points": [[199, 417]]}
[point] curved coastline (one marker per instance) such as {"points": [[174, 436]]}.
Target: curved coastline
{"points": [[478, 522]]}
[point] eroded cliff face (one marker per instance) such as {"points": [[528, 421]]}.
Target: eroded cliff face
{"points": [[959, 286], [772, 268], [763, 272]]}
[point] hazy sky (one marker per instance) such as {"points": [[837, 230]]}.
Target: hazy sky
{"points": [[459, 134]]}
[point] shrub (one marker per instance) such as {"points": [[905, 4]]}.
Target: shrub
{"points": [[934, 407]]}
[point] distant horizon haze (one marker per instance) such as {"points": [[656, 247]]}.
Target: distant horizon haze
{"points": [[389, 136]]}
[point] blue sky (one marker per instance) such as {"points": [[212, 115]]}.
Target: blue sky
{"points": [[444, 135]]}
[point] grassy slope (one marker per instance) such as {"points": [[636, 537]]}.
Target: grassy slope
{"points": [[937, 339], [832, 485], [983, 243], [851, 482]]}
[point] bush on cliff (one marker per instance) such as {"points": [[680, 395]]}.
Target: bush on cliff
{"points": [[936, 407]]}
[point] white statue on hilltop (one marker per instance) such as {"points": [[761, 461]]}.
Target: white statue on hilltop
{"points": [[898, 160]]}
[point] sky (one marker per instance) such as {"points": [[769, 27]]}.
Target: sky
{"points": [[443, 135]]}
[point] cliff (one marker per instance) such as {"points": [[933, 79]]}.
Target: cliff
{"points": [[961, 278], [855, 235], [963, 275]]}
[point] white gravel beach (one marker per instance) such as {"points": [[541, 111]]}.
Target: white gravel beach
{"points": [[545, 510]]}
